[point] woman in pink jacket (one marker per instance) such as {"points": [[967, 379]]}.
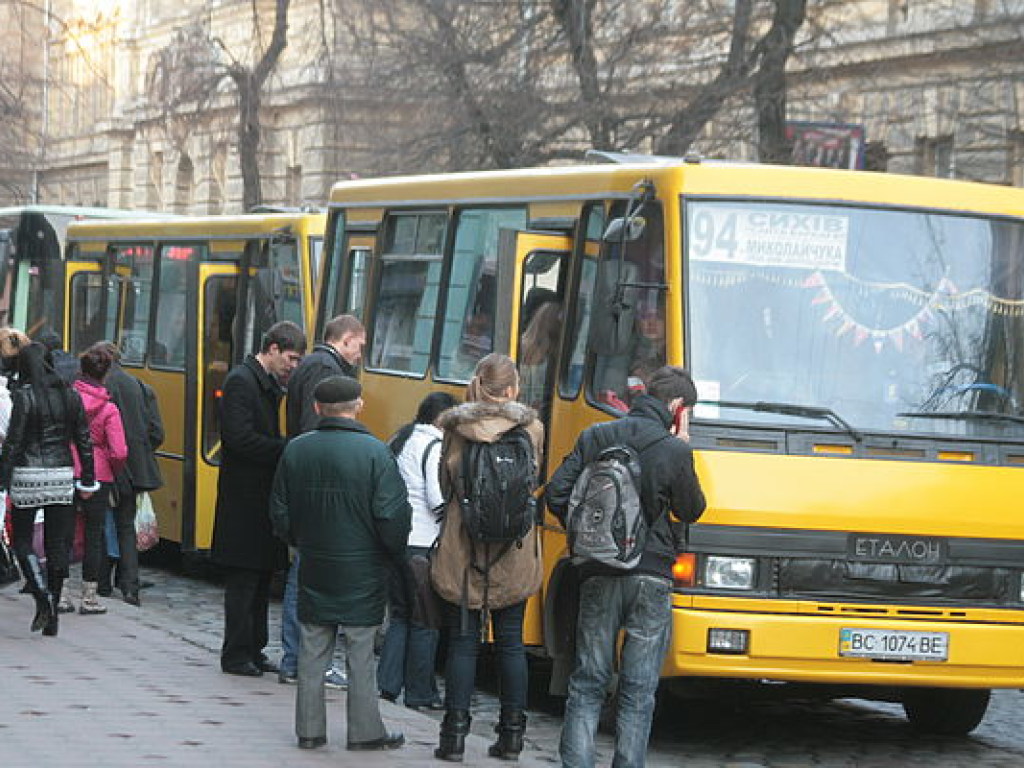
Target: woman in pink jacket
{"points": [[110, 451]]}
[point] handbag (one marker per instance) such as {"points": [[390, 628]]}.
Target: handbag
{"points": [[427, 609], [34, 487], [147, 531]]}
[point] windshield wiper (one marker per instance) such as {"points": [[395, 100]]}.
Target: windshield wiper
{"points": [[964, 415], [791, 409]]}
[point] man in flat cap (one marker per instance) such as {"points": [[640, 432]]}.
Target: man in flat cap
{"points": [[339, 499]]}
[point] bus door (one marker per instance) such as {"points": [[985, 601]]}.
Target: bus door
{"points": [[169, 347], [538, 296], [541, 261], [218, 297]]}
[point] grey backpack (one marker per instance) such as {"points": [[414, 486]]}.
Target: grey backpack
{"points": [[605, 522]]}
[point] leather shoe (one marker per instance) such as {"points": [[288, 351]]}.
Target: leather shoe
{"points": [[248, 669], [387, 741], [266, 665], [311, 742]]}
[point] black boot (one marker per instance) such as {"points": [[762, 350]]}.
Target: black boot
{"points": [[454, 728], [37, 587], [510, 729], [56, 586]]}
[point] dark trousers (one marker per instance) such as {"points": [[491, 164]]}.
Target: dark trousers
{"points": [[246, 601], [408, 657], [95, 510], [124, 523], [464, 647], [58, 530]]}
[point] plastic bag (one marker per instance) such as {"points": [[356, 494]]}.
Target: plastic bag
{"points": [[147, 532]]}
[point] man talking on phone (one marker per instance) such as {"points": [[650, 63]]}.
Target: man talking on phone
{"points": [[636, 599]]}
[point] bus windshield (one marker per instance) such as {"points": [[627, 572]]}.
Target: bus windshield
{"points": [[894, 321]]}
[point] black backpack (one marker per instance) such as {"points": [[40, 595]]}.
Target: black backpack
{"points": [[498, 484]]}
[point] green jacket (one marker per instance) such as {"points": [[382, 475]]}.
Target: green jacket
{"points": [[339, 498]]}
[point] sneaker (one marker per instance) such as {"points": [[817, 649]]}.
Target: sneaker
{"points": [[335, 678], [287, 679], [65, 605]]}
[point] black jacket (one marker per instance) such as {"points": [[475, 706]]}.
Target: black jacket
{"points": [[251, 444], [40, 434], [322, 362], [143, 429], [668, 481]]}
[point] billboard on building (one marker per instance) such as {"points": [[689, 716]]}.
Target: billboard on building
{"points": [[826, 145]]}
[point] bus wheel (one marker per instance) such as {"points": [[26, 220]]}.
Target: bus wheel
{"points": [[945, 711]]}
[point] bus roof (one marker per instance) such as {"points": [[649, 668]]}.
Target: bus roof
{"points": [[78, 211], [678, 176], [240, 225]]}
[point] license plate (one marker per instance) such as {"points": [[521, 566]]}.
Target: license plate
{"points": [[894, 644]]}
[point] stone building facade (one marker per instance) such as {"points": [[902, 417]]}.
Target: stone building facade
{"points": [[936, 85]]}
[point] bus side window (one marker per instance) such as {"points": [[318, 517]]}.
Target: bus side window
{"points": [[358, 272], [171, 310], [137, 262], [281, 283], [619, 375], [403, 323], [468, 331], [572, 377], [330, 281]]}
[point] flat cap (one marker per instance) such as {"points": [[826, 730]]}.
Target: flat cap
{"points": [[337, 389]]}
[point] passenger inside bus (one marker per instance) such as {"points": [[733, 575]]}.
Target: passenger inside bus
{"points": [[538, 346]]}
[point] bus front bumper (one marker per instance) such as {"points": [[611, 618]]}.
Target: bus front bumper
{"points": [[797, 648]]}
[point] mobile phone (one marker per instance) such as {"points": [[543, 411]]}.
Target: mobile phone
{"points": [[679, 420]]}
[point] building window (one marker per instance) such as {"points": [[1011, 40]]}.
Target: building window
{"points": [[935, 157], [1015, 159], [899, 14], [293, 185]]}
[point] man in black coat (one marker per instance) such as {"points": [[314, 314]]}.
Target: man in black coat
{"points": [[337, 355], [638, 600], [144, 433], [243, 543]]}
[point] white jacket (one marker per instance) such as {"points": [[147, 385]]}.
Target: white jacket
{"points": [[422, 480]]}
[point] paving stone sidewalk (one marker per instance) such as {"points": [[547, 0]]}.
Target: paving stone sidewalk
{"points": [[139, 687]]}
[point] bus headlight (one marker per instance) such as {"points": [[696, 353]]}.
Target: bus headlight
{"points": [[729, 572]]}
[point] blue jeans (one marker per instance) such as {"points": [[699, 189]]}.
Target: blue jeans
{"points": [[290, 629], [464, 647], [407, 659], [641, 605]]}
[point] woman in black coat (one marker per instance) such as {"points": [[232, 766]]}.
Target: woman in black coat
{"points": [[46, 419]]}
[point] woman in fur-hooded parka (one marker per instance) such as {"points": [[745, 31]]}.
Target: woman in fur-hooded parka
{"points": [[518, 573], [490, 411]]}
